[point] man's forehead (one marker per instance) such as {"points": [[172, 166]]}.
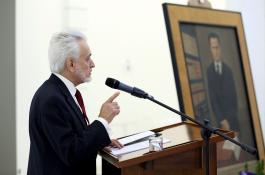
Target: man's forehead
{"points": [[84, 44], [214, 39], [84, 48]]}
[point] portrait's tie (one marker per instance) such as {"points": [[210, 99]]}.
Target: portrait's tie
{"points": [[218, 68], [81, 104]]}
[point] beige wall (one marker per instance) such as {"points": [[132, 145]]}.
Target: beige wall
{"points": [[128, 41]]}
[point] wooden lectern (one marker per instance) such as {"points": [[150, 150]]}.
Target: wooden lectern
{"points": [[183, 155]]}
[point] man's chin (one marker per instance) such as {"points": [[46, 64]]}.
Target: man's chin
{"points": [[87, 80]]}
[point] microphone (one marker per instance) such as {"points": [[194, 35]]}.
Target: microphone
{"points": [[115, 84]]}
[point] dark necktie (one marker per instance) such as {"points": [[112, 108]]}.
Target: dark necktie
{"points": [[81, 104]]}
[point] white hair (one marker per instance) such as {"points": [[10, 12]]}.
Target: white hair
{"points": [[62, 46]]}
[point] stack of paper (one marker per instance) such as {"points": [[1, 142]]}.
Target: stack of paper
{"points": [[132, 145], [130, 148], [136, 137]]}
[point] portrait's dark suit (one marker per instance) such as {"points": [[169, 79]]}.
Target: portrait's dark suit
{"points": [[222, 94], [61, 142]]}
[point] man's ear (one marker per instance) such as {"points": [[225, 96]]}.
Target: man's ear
{"points": [[70, 64]]}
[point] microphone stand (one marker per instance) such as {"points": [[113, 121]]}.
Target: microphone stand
{"points": [[206, 132]]}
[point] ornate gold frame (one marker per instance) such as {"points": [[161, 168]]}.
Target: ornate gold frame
{"points": [[176, 14]]}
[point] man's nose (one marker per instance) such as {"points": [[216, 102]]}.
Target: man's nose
{"points": [[92, 64]]}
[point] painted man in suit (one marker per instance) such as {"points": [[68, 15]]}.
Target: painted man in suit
{"points": [[221, 87], [63, 142]]}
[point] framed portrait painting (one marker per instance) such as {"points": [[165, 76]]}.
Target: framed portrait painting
{"points": [[213, 77]]}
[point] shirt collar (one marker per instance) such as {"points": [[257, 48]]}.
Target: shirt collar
{"points": [[218, 63], [70, 86]]}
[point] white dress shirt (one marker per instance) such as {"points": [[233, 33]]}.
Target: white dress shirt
{"points": [[72, 89], [218, 67]]}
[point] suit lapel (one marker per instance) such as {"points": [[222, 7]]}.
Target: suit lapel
{"points": [[74, 106], [69, 99]]}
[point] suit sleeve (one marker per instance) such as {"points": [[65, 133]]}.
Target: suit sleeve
{"points": [[70, 147]]}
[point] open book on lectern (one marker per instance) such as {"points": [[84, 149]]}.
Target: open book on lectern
{"points": [[136, 138], [134, 143]]}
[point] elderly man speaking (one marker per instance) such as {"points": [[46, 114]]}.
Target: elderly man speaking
{"points": [[63, 141]]}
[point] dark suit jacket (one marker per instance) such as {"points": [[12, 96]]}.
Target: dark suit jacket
{"points": [[61, 142], [222, 95]]}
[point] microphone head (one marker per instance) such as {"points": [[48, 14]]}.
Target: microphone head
{"points": [[112, 83]]}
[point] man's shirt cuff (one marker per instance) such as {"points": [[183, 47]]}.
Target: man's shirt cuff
{"points": [[105, 124]]}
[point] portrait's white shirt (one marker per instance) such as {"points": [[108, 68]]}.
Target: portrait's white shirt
{"points": [[218, 67], [72, 89]]}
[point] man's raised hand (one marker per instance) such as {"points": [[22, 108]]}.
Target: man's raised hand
{"points": [[110, 109]]}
